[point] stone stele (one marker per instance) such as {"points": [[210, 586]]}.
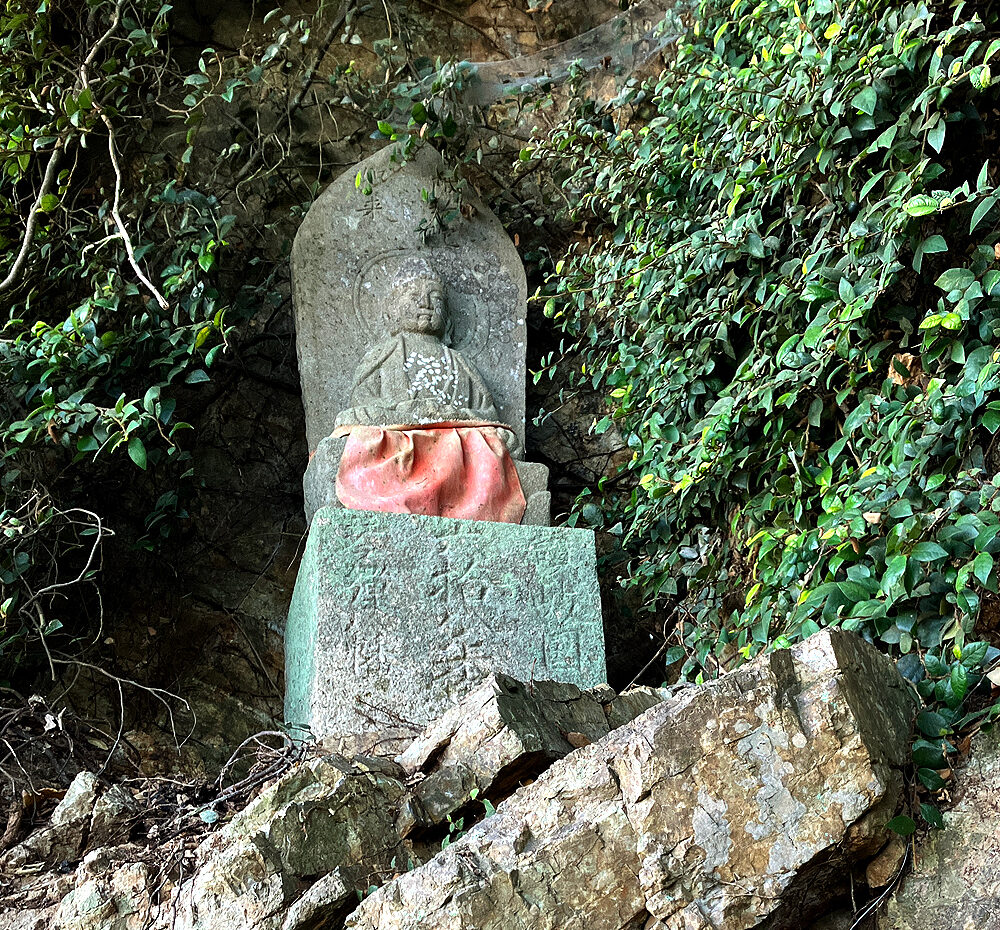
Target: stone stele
{"points": [[397, 617], [345, 255]]}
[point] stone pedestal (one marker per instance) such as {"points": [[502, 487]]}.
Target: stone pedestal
{"points": [[397, 616]]}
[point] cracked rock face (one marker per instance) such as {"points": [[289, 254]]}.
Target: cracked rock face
{"points": [[727, 806], [503, 732], [955, 883], [326, 818]]}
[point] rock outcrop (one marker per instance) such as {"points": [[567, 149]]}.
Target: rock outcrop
{"points": [[501, 735], [733, 804], [955, 882], [328, 818], [90, 814], [737, 804]]}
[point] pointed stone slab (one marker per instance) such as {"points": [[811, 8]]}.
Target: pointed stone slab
{"points": [[401, 616], [346, 252]]}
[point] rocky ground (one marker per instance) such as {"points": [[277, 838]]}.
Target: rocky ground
{"points": [[758, 800]]}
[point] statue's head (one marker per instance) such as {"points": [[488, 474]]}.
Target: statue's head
{"points": [[417, 303]]}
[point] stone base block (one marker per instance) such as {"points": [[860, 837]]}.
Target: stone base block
{"points": [[320, 480], [397, 617]]}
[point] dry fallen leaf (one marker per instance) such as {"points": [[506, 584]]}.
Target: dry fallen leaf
{"points": [[872, 516], [578, 740], [910, 364]]}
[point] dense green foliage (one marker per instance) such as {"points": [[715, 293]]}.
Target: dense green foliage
{"points": [[792, 303], [113, 289]]}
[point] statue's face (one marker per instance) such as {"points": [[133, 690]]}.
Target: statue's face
{"points": [[421, 307]]}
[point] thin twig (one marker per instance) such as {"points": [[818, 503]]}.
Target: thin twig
{"points": [[659, 651], [115, 214], [99, 536], [307, 78], [161, 694]]}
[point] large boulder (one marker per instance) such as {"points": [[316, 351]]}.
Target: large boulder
{"points": [[325, 817], [955, 882], [729, 805]]}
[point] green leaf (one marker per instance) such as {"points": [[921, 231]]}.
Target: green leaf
{"points": [[865, 100], [196, 377], [903, 825], [933, 244], [928, 552], [983, 180], [137, 452], [959, 681], [930, 779], [935, 667], [982, 567], [935, 138], [973, 654], [817, 292], [991, 420], [931, 724], [921, 205], [932, 815], [893, 573], [955, 279], [929, 755], [982, 208]]}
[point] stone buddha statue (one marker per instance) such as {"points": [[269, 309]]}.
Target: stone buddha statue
{"points": [[413, 377], [423, 431]]}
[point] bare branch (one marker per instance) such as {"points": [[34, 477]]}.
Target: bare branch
{"points": [[324, 47], [29, 231], [122, 231]]}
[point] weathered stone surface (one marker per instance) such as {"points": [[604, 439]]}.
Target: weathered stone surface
{"points": [[35, 919], [406, 615], [319, 483], [344, 257], [730, 805], [324, 816], [955, 882], [105, 898], [87, 816], [324, 904], [625, 707], [503, 732]]}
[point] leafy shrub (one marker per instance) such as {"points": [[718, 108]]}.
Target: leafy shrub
{"points": [[791, 299], [115, 298]]}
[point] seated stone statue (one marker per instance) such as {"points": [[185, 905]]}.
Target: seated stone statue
{"points": [[423, 430]]}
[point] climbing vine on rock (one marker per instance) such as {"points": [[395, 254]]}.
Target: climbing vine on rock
{"points": [[790, 296]]}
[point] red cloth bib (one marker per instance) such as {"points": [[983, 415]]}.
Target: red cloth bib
{"points": [[442, 470]]}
